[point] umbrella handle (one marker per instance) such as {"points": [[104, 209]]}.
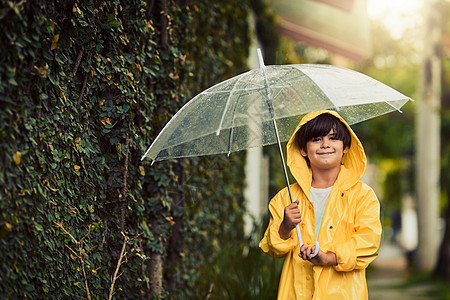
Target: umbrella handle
{"points": [[300, 241], [317, 249]]}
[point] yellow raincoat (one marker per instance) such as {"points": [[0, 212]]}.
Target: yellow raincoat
{"points": [[350, 228]]}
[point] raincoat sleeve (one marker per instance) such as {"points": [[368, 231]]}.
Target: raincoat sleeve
{"points": [[272, 243], [361, 248]]}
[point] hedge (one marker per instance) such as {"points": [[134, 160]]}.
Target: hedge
{"points": [[85, 87]]}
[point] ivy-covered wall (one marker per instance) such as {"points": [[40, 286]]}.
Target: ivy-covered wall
{"points": [[85, 86]]}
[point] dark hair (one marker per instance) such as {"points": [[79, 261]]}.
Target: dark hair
{"points": [[321, 126]]}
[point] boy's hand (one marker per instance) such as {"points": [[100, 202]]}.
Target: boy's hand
{"points": [[321, 259], [291, 218]]}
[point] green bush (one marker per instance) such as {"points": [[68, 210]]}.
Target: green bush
{"points": [[85, 87]]}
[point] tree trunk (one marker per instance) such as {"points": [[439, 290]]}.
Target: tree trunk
{"points": [[428, 138], [442, 269], [176, 242], [156, 269]]}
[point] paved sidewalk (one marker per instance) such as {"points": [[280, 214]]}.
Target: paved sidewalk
{"points": [[387, 274]]}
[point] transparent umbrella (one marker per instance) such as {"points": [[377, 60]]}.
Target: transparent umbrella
{"points": [[264, 106]]}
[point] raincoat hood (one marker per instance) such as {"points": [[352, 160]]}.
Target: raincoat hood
{"points": [[353, 163]]}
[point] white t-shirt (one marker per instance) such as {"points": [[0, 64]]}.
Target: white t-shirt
{"points": [[319, 197]]}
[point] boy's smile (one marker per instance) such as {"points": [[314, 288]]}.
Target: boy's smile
{"points": [[325, 152]]}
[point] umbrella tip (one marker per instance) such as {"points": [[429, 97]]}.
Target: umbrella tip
{"points": [[260, 58]]}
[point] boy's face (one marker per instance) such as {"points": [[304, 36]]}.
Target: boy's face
{"points": [[325, 152]]}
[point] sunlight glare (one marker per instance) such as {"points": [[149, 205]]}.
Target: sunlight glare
{"points": [[397, 15]]}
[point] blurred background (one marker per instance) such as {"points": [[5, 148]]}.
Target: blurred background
{"points": [[400, 43], [86, 86]]}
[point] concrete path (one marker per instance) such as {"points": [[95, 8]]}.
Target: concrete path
{"points": [[387, 274]]}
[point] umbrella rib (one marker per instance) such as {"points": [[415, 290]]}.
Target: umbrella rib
{"points": [[234, 90], [230, 137], [397, 109], [226, 106]]}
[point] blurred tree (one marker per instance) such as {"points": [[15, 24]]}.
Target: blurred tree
{"points": [[389, 140], [443, 263]]}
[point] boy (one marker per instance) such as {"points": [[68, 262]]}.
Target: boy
{"points": [[332, 206]]}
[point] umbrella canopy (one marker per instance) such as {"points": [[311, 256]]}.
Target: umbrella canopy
{"points": [[238, 113]]}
